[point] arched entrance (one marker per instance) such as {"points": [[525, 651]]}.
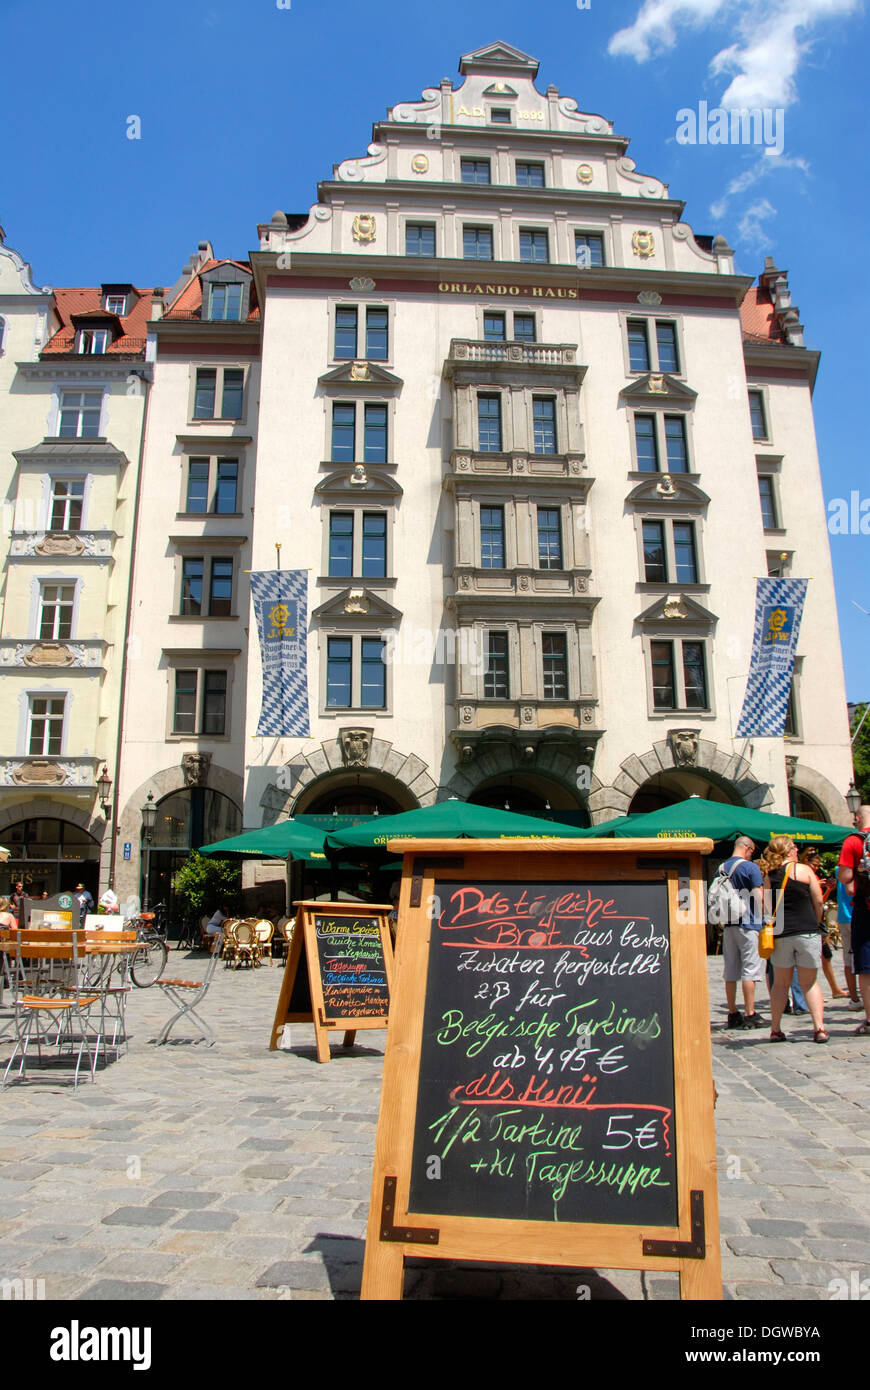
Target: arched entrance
{"points": [[186, 820], [668, 788], [51, 855], [800, 803], [351, 801], [529, 794]]}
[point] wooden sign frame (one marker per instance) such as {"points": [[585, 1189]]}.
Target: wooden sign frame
{"points": [[692, 1247], [305, 934]]}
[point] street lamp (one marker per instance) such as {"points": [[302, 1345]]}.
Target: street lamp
{"points": [[853, 799], [149, 816], [104, 791]]}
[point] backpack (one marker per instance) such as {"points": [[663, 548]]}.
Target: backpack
{"points": [[725, 906]]}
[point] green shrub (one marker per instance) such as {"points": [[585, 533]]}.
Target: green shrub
{"points": [[203, 883]]}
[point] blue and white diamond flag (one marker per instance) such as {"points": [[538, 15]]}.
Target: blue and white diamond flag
{"points": [[779, 604], [280, 599]]}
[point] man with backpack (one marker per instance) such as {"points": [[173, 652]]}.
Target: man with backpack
{"points": [[854, 874], [735, 896]]}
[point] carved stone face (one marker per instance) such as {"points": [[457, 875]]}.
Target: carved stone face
{"points": [[195, 768], [355, 747]]}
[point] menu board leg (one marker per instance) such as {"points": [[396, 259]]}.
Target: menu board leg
{"points": [[383, 1267], [349, 1038]]}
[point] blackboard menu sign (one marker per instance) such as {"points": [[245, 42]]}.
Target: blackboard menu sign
{"points": [[546, 1085], [337, 971], [548, 1090], [353, 971]]}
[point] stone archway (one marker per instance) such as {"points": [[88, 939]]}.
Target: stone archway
{"points": [[681, 750], [827, 797], [354, 749], [506, 760]]}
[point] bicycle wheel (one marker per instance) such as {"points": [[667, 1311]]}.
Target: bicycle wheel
{"points": [[148, 963]]}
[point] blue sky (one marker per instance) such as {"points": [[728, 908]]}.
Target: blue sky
{"points": [[245, 105]]}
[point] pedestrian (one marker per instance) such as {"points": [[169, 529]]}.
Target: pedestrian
{"points": [[17, 898], [796, 902], [7, 918], [844, 922], [814, 859], [740, 937], [85, 902], [854, 874]]}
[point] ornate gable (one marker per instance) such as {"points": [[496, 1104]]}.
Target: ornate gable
{"points": [[361, 375], [358, 480], [667, 492], [676, 610], [659, 389], [499, 56], [358, 602]]}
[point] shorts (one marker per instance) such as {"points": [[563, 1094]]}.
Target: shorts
{"points": [[803, 950], [846, 942], [861, 947], [740, 954]]}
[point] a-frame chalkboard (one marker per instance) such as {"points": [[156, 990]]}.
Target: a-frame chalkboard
{"points": [[338, 971], [548, 1089]]}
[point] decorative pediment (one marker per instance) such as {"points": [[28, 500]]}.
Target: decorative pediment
{"points": [[358, 601], [676, 609], [358, 480], [498, 55], [672, 490], [500, 89], [658, 388], [361, 374]]}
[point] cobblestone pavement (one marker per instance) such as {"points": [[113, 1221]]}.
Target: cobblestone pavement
{"points": [[233, 1172]]}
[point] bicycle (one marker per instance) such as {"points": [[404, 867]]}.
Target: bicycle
{"points": [[151, 954]]}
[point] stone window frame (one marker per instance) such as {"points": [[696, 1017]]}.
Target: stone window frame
{"points": [[672, 584], [359, 402], [70, 388], [198, 422], [336, 302], [205, 549], [659, 410], [760, 389], [68, 473], [604, 233], [358, 508], [658, 633], [771, 467], [484, 308], [37, 598], [51, 692], [191, 453], [200, 660], [651, 318], [374, 630]]}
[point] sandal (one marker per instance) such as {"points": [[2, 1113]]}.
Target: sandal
{"points": [[780, 1037], [820, 1036], [864, 1030]]}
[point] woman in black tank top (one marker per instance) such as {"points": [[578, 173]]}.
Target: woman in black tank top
{"points": [[794, 892]]}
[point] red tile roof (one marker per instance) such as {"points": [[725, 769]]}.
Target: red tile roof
{"points": [[87, 303], [188, 305], [758, 319]]}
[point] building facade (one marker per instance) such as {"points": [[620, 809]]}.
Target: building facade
{"points": [[75, 385], [531, 438]]}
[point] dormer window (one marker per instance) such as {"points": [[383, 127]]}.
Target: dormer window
{"points": [[115, 304], [92, 340], [225, 302]]}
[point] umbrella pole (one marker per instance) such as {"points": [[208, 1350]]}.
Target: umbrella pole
{"points": [[333, 873]]}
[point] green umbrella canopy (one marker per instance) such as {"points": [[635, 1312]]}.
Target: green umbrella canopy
{"points": [[282, 841], [452, 820], [718, 821]]}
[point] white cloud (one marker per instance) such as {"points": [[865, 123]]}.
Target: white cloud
{"points": [[654, 27], [764, 165], [766, 56], [752, 232]]}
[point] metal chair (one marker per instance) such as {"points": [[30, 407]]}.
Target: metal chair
{"points": [[187, 994], [108, 968], [247, 945], [60, 1005]]}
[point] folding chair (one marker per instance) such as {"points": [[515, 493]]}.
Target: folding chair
{"points": [[61, 1005], [187, 994], [109, 958]]}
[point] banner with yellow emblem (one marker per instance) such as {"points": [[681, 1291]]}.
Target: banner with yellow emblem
{"points": [[280, 599], [779, 604]]}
